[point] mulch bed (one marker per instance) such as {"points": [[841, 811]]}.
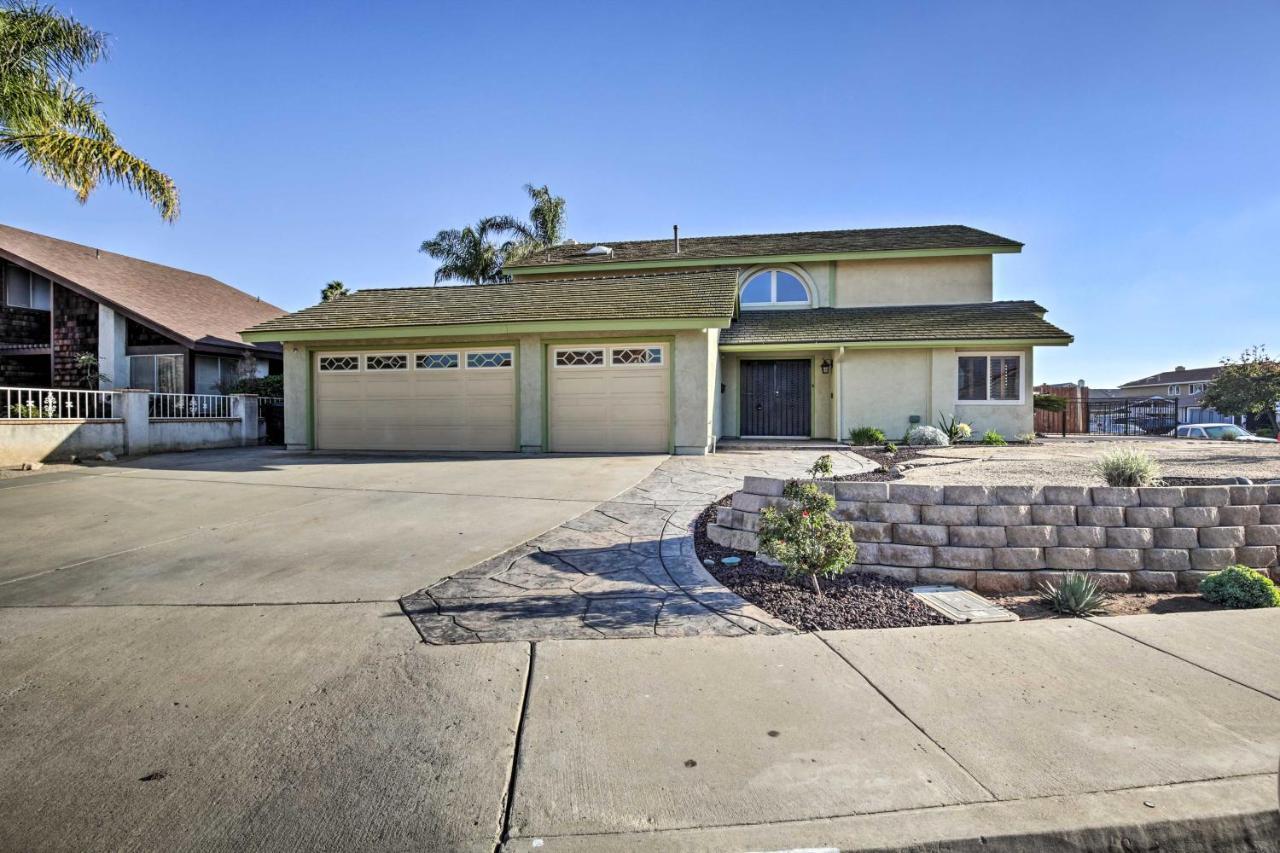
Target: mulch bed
{"points": [[885, 461], [852, 600], [1028, 606]]}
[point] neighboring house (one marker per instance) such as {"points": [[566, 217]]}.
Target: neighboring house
{"points": [[150, 326], [1184, 385], [665, 345]]}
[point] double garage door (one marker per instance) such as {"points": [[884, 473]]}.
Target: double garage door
{"points": [[601, 398]]}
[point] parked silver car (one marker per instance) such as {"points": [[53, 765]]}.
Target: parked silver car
{"points": [[1220, 432]]}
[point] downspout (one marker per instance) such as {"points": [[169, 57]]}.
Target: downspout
{"points": [[837, 377]]}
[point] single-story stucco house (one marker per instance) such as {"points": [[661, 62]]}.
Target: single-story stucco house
{"points": [[666, 345]]}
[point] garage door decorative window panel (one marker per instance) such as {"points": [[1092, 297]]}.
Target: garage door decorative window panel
{"points": [[579, 357], [483, 360], [386, 362], [629, 356], [437, 360], [339, 363]]}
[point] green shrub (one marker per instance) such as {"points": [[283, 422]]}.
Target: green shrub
{"points": [[26, 410], [821, 467], [890, 448], [994, 439], [1050, 403], [1075, 595], [927, 436], [263, 386], [804, 537], [1264, 432], [1127, 468], [1240, 587], [863, 436]]}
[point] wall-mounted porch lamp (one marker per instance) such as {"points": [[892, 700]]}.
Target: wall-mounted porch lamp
{"points": [[826, 365]]}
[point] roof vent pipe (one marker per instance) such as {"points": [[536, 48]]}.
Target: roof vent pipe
{"points": [[675, 232]]}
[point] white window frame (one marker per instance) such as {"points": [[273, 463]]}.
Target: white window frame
{"points": [[453, 352], [1022, 378], [408, 360], [605, 357], [181, 360], [661, 362], [1175, 390], [773, 303], [507, 351], [320, 356]]}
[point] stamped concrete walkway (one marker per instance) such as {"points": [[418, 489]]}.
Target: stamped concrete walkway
{"points": [[625, 569]]}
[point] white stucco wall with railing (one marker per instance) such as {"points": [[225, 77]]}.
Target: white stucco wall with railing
{"points": [[53, 424]]}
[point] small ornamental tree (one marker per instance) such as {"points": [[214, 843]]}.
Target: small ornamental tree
{"points": [[1250, 386], [804, 537], [821, 467]]}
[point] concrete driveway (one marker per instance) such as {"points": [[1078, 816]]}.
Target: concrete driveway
{"points": [[265, 526], [205, 652]]}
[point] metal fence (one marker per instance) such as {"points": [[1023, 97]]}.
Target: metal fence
{"points": [[271, 413], [1127, 416], [45, 403], [162, 407]]}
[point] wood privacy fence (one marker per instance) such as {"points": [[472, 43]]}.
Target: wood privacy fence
{"points": [[1074, 420]]}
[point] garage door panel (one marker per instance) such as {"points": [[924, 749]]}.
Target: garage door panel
{"points": [[419, 408], [609, 407]]}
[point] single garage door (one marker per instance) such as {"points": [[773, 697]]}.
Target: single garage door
{"points": [[447, 399], [606, 398]]}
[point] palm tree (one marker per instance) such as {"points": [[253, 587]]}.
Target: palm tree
{"points": [[545, 227], [333, 290], [468, 255], [50, 124]]}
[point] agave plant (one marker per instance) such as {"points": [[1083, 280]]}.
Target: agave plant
{"points": [[1075, 595]]}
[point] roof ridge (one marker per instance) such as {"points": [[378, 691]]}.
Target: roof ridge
{"points": [[683, 237]]}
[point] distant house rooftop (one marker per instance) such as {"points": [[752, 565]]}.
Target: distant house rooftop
{"points": [[1178, 374]]}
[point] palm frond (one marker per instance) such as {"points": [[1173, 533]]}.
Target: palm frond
{"points": [[39, 38], [82, 162]]}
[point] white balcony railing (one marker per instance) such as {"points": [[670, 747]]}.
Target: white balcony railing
{"points": [[163, 407], [47, 403]]}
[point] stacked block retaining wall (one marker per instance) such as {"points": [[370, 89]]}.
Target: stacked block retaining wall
{"points": [[1010, 538]]}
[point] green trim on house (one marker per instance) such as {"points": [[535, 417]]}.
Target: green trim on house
{"points": [[901, 344], [831, 283], [752, 260], [656, 324]]}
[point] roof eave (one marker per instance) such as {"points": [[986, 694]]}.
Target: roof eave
{"points": [[744, 260], [889, 343], [490, 329]]}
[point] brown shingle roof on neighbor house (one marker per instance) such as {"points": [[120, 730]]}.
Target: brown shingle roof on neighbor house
{"points": [[766, 245], [1170, 377], [707, 294], [194, 308], [979, 321]]}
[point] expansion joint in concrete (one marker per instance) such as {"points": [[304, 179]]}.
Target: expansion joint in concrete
{"points": [[886, 697]]}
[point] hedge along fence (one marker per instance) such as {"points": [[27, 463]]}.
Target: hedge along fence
{"points": [[1010, 538]]}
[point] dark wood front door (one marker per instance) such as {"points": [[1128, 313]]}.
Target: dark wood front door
{"points": [[775, 397]]}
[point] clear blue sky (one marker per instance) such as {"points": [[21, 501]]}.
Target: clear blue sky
{"points": [[1134, 147]]}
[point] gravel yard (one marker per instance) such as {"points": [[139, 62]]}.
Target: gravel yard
{"points": [[1069, 461]]}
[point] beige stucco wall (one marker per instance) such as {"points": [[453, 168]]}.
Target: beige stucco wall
{"points": [[914, 281], [884, 387]]}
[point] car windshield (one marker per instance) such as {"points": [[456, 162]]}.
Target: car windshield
{"points": [[1224, 431]]}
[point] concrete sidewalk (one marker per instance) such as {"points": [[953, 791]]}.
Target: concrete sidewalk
{"points": [[1065, 730]]}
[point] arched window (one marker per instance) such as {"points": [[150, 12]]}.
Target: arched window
{"points": [[769, 288]]}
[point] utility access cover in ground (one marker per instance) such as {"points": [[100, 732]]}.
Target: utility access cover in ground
{"points": [[962, 605]]}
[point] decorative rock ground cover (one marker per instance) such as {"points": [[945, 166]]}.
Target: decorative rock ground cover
{"points": [[625, 569], [853, 600]]}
